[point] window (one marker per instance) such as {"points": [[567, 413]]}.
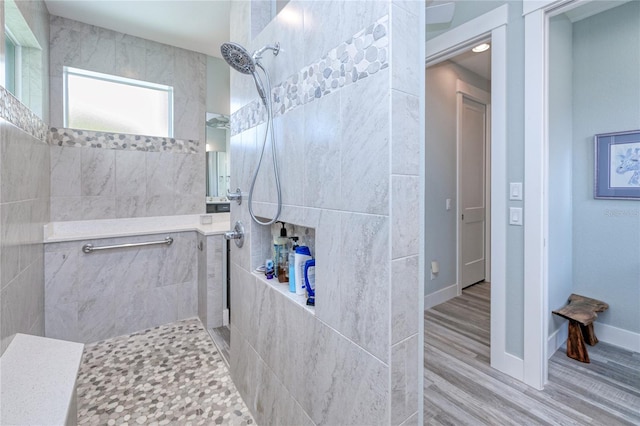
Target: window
{"points": [[12, 64], [108, 103]]}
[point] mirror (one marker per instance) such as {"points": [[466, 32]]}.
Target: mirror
{"points": [[217, 139]]}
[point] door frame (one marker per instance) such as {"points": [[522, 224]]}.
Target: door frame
{"points": [[469, 91], [536, 181], [492, 25]]}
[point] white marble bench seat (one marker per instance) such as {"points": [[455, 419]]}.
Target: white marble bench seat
{"points": [[38, 381]]}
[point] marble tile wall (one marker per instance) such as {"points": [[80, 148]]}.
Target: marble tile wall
{"points": [[96, 183], [97, 49], [24, 209], [126, 181], [95, 296], [24, 196], [350, 169], [211, 279]]}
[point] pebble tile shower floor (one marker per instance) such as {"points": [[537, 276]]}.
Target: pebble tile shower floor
{"points": [[167, 375]]}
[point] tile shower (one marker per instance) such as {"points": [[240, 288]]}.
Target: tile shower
{"points": [[363, 328], [347, 91]]}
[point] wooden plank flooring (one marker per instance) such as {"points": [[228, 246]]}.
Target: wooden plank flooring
{"points": [[460, 388]]}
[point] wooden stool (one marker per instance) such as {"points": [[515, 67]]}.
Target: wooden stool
{"points": [[581, 313]]}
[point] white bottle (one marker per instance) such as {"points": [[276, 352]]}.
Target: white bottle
{"points": [[302, 255]]}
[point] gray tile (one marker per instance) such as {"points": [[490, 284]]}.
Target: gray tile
{"points": [[405, 216], [364, 271], [405, 293], [364, 160], [170, 374], [405, 370]]}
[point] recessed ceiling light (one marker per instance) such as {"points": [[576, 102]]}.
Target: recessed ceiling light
{"points": [[481, 48]]}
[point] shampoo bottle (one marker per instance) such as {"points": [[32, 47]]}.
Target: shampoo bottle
{"points": [[302, 255]]}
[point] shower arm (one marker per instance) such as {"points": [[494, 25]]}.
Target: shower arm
{"points": [[257, 55]]}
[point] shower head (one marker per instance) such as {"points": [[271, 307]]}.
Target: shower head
{"points": [[238, 58]]}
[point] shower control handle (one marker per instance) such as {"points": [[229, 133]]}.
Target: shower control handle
{"points": [[237, 234], [235, 196]]}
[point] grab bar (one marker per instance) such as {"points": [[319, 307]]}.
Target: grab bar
{"points": [[89, 248]]}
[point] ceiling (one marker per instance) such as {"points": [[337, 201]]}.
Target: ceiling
{"points": [[479, 63], [198, 25]]}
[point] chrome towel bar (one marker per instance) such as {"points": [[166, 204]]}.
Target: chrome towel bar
{"points": [[89, 248]]}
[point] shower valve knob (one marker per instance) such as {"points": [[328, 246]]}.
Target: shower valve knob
{"points": [[237, 234]]}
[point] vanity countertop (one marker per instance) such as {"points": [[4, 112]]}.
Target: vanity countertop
{"points": [[109, 228]]}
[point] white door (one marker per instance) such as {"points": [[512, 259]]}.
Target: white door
{"points": [[472, 133]]}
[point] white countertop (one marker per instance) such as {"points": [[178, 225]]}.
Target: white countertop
{"points": [[38, 380], [109, 228]]}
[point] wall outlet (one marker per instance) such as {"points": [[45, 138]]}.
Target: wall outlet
{"points": [[435, 269]]}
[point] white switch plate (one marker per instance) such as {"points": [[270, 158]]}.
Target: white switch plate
{"points": [[515, 191], [448, 204], [515, 216]]}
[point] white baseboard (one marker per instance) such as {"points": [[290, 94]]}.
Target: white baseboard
{"points": [[617, 336], [605, 333], [557, 339], [440, 296], [225, 317]]}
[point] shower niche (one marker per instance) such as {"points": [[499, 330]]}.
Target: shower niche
{"points": [[275, 243]]}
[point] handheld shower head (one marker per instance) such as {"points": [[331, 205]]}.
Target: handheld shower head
{"points": [[238, 58]]}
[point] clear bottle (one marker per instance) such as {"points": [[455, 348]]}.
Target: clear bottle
{"points": [[281, 255]]}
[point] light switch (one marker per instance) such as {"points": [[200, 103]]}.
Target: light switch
{"points": [[515, 216], [448, 204], [515, 191]]}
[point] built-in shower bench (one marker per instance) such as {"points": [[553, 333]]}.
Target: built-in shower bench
{"points": [[38, 377]]}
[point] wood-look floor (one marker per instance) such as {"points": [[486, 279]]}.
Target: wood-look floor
{"points": [[462, 389]]}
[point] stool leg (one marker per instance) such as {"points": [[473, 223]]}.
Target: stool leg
{"points": [[589, 334], [576, 348]]}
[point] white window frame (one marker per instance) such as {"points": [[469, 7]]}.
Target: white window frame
{"points": [[17, 63], [118, 80]]}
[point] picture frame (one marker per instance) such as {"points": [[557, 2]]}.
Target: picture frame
{"points": [[617, 166]]}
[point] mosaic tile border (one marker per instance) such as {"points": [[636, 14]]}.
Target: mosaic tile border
{"points": [[364, 54], [120, 141], [18, 114]]}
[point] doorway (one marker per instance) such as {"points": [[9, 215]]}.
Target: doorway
{"points": [[490, 26], [473, 177]]}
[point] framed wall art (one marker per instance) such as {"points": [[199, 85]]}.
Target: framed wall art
{"points": [[617, 165]]}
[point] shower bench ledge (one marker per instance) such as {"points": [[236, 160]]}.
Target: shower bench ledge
{"points": [[38, 377], [126, 227]]}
